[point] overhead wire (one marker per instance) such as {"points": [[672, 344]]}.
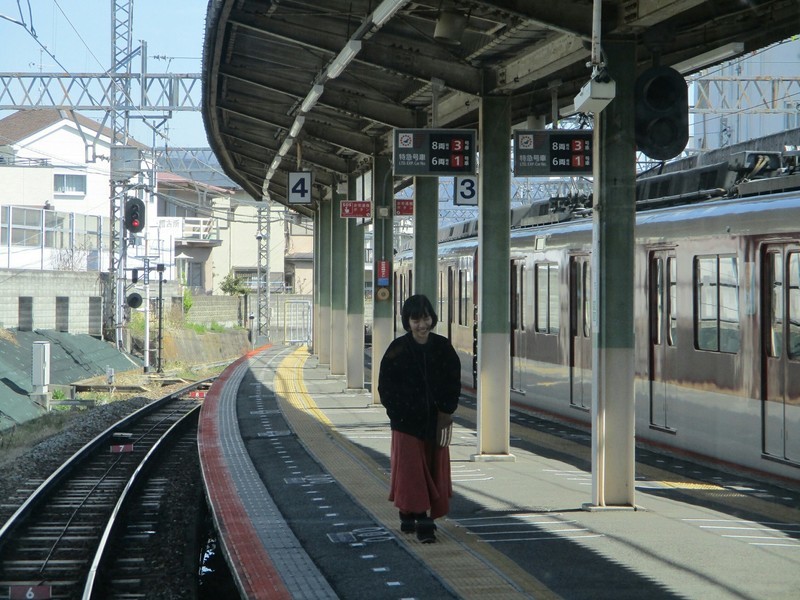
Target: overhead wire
{"points": [[30, 29]]}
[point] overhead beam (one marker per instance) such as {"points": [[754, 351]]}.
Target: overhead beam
{"points": [[397, 54]]}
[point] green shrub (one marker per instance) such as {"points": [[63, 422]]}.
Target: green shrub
{"points": [[233, 285]]}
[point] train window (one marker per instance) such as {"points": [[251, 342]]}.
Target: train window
{"points": [[672, 299], [517, 296], [775, 290], [465, 294], [794, 305], [460, 297], [521, 303], [587, 299], [656, 277], [717, 303], [547, 301]]}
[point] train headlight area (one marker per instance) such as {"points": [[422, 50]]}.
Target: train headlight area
{"points": [[297, 470]]}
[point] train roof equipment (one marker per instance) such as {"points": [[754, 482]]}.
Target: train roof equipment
{"points": [[744, 174]]}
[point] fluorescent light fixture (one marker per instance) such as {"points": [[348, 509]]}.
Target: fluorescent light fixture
{"points": [[343, 59], [285, 147], [297, 126], [276, 162], [385, 11], [709, 58], [311, 99]]}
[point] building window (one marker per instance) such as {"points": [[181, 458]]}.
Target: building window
{"points": [[26, 227], [69, 184]]}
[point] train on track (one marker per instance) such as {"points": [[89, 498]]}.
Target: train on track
{"points": [[716, 309]]}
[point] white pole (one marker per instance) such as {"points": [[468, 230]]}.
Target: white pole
{"points": [[146, 315]]}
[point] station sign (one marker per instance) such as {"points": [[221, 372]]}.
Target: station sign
{"points": [[403, 207], [465, 191], [434, 152], [351, 209], [299, 188], [383, 272], [552, 152]]}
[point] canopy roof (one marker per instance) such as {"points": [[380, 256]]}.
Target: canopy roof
{"points": [[264, 60]]}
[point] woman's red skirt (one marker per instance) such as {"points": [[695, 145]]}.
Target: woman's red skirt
{"points": [[420, 476]]}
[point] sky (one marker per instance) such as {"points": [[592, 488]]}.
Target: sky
{"points": [[78, 34]]}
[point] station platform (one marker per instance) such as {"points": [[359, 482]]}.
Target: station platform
{"points": [[296, 469]]}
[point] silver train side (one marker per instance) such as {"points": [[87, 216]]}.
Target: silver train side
{"points": [[716, 311]]}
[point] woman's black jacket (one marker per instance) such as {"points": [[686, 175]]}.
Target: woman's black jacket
{"points": [[405, 368]]}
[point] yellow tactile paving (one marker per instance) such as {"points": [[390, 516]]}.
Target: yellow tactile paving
{"points": [[471, 569]]}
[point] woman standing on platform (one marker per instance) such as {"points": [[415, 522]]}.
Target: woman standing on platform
{"points": [[419, 384]]}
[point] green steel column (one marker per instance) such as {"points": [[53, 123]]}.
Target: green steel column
{"points": [[338, 285], [494, 255], [324, 328], [316, 287], [426, 233], [382, 314], [613, 430], [355, 296]]}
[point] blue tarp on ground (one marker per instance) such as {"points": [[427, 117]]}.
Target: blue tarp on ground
{"points": [[73, 357]]}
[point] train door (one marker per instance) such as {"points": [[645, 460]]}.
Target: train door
{"points": [[517, 323], [663, 319], [780, 268], [580, 336]]}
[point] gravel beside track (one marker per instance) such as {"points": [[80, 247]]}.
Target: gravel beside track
{"points": [[174, 560]]}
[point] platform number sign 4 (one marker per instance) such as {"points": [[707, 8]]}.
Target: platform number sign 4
{"points": [[300, 187], [466, 191]]}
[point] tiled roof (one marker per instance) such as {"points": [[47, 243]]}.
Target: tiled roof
{"points": [[175, 181], [25, 123]]}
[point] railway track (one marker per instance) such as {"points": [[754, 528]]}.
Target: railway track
{"points": [[73, 536]]}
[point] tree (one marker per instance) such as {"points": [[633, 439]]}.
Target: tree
{"points": [[233, 285]]}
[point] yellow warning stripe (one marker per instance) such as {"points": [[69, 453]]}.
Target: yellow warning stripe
{"points": [[471, 569]]}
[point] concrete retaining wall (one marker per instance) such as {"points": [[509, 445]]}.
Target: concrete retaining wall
{"points": [[189, 347], [228, 311], [79, 311]]}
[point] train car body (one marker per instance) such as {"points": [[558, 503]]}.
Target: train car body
{"points": [[716, 315]]}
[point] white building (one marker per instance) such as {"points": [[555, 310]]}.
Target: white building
{"points": [[55, 209]]}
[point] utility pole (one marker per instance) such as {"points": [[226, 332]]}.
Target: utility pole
{"points": [[121, 25], [263, 272]]}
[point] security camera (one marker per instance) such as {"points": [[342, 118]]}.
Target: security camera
{"points": [[597, 94], [259, 237]]}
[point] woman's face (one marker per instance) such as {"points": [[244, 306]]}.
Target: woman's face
{"points": [[420, 328]]}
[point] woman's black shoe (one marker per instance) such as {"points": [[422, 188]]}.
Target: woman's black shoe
{"points": [[408, 522], [425, 530]]}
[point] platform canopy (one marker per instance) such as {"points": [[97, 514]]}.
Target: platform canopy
{"points": [[319, 85]]}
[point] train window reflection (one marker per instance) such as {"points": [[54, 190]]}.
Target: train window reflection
{"points": [[794, 305], [672, 307], [547, 301], [587, 299], [776, 305], [657, 277], [717, 304]]}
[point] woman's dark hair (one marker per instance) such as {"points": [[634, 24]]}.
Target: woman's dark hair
{"points": [[418, 307]]}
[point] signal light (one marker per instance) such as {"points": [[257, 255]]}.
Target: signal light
{"points": [[134, 214], [661, 113], [134, 275], [134, 300]]}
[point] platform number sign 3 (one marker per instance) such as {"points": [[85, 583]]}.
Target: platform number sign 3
{"points": [[466, 191], [300, 187]]}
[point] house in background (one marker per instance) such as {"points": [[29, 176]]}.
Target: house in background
{"points": [[220, 233], [55, 209], [54, 192]]}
